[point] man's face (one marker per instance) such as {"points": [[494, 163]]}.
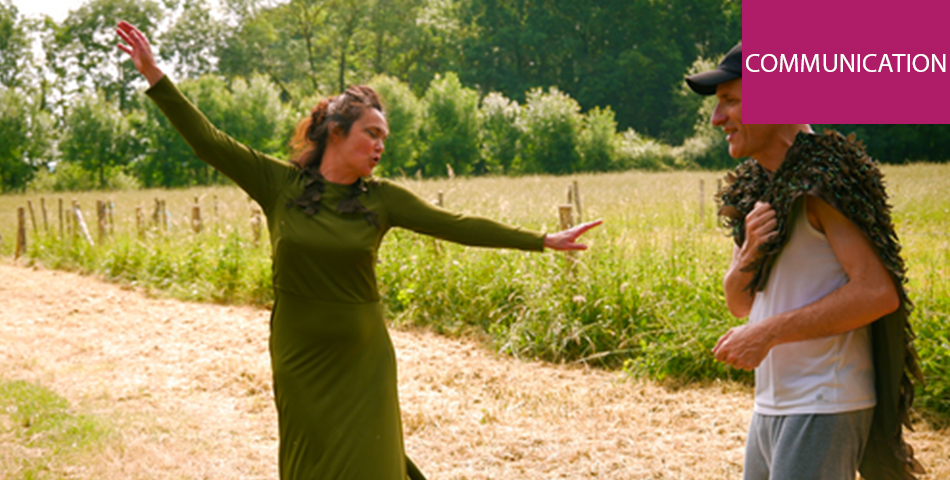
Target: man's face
{"points": [[744, 140]]}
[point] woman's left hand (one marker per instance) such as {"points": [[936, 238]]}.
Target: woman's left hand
{"points": [[137, 46], [566, 239]]}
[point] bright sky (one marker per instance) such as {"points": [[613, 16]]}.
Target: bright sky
{"points": [[58, 9]]}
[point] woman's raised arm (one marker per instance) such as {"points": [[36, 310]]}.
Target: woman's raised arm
{"points": [[261, 176]]}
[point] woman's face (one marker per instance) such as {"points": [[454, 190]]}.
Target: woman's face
{"points": [[362, 148]]}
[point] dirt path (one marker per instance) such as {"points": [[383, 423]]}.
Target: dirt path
{"points": [[187, 387]]}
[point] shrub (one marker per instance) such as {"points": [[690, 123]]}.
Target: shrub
{"points": [[640, 153], [599, 143], [500, 132], [257, 117], [450, 131], [404, 112], [552, 124], [707, 148], [70, 177]]}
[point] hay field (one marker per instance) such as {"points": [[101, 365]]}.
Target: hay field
{"points": [[645, 302], [181, 390], [647, 297]]}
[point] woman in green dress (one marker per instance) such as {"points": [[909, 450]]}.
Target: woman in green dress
{"points": [[333, 361]]}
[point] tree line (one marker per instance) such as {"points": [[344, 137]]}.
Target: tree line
{"points": [[472, 86]]}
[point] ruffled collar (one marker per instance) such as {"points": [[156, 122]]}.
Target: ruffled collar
{"points": [[315, 187]]}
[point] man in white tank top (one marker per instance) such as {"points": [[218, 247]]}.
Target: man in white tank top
{"points": [[807, 338]]}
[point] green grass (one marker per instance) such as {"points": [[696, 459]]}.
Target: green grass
{"points": [[41, 434], [647, 297]]}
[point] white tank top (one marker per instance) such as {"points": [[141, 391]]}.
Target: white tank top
{"points": [[825, 375]]}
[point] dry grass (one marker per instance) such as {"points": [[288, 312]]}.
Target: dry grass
{"points": [[233, 210], [187, 389]]}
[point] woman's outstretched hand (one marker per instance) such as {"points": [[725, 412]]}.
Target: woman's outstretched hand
{"points": [[138, 48], [566, 239]]}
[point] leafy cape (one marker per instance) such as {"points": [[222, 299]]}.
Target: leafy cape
{"points": [[837, 170]]}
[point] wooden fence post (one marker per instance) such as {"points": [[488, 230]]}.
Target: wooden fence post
{"points": [[45, 221], [256, 224], [439, 202], [567, 221], [702, 201], [196, 216], [577, 203], [81, 223], [160, 217], [164, 216], [71, 224], [101, 219], [61, 226], [566, 215], [29, 203], [111, 207], [20, 232], [140, 222]]}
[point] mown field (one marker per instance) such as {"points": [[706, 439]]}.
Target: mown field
{"points": [[646, 298]]}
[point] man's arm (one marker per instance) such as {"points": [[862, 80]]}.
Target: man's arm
{"points": [[760, 226], [738, 299], [869, 294]]}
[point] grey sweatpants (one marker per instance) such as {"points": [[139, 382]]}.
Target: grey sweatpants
{"points": [[806, 447]]}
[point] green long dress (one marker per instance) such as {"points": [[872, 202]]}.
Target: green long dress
{"points": [[332, 358]]}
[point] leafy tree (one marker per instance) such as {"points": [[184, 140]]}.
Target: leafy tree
{"points": [[687, 109], [404, 113], [325, 45], [257, 117], [498, 47], [24, 139], [450, 131], [552, 124], [14, 45], [391, 26], [500, 131], [192, 42], [82, 50], [306, 22], [347, 19], [626, 54], [900, 143], [428, 45], [262, 44], [98, 137]]}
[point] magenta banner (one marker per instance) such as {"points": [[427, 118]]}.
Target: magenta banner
{"points": [[846, 61]]}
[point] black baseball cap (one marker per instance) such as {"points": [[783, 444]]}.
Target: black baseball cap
{"points": [[729, 69]]}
